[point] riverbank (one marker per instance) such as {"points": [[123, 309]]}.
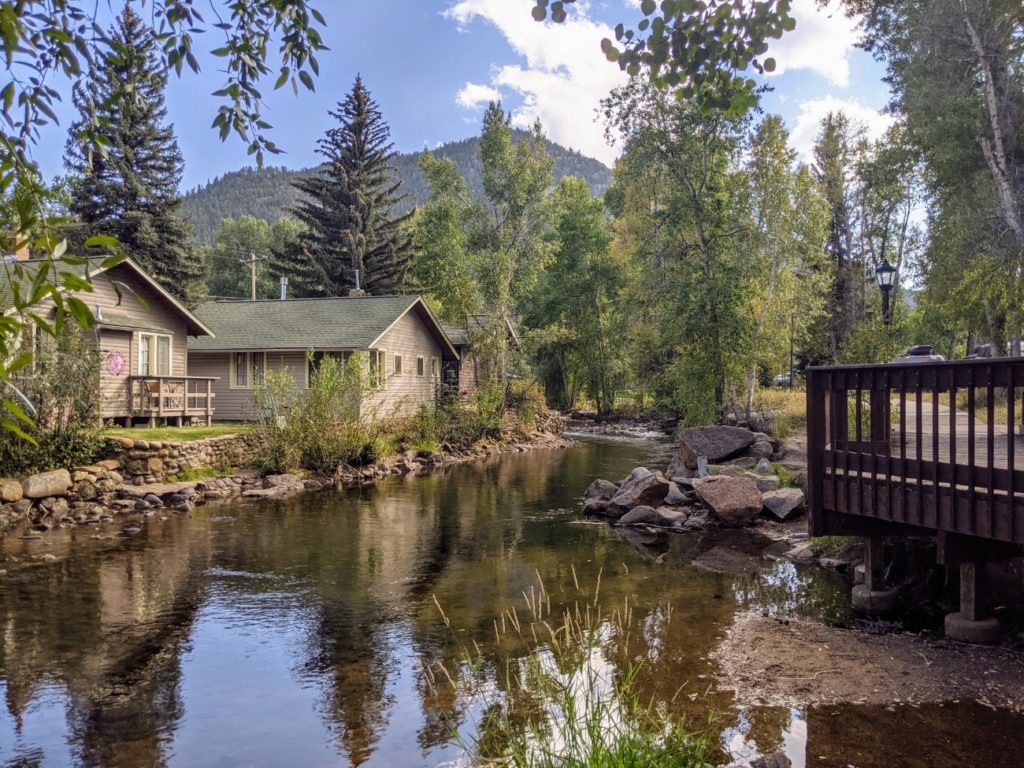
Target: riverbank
{"points": [[145, 477]]}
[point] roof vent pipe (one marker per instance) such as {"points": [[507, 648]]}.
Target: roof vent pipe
{"points": [[284, 288], [357, 291]]}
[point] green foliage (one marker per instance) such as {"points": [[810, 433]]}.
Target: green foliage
{"points": [[320, 428], [348, 209], [703, 51], [239, 240], [62, 385], [130, 190], [575, 314]]}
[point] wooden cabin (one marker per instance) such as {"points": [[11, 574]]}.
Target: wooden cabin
{"points": [[142, 334], [406, 348]]}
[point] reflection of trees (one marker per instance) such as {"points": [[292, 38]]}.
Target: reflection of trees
{"points": [[110, 626]]}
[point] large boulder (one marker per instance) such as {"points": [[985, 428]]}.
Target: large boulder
{"points": [[733, 500], [55, 483], [601, 490], [783, 503], [650, 490], [717, 443], [675, 495]]}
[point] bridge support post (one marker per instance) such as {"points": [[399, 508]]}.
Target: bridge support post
{"points": [[969, 624], [873, 596]]}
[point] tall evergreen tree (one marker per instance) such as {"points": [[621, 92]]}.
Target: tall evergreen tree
{"points": [[131, 189], [349, 208]]}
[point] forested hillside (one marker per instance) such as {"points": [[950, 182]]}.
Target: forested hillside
{"points": [[266, 193]]}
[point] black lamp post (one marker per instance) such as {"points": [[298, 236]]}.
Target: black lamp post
{"points": [[885, 274]]}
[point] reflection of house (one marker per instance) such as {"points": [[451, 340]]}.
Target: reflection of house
{"points": [[464, 337], [405, 345], [142, 332]]}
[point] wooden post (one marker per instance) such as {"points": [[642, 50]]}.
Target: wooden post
{"points": [[969, 578], [815, 450], [209, 402], [874, 563]]}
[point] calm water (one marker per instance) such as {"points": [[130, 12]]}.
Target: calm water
{"points": [[296, 634]]}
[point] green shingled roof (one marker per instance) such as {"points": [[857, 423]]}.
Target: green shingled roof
{"points": [[332, 323]]}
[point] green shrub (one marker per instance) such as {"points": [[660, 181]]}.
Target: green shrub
{"points": [[63, 385], [319, 428]]}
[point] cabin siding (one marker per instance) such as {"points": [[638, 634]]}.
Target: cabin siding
{"points": [[404, 393], [232, 404], [114, 384]]}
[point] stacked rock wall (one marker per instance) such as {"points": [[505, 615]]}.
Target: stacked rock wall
{"points": [[156, 461]]}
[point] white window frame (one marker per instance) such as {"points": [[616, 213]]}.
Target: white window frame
{"points": [[435, 368], [397, 364], [421, 366], [153, 358], [250, 370]]}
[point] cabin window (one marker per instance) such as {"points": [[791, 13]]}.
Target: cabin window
{"points": [[248, 369], [154, 354], [313, 362], [398, 365], [378, 361], [420, 366], [435, 368]]}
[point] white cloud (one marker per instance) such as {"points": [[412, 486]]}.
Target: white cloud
{"points": [[475, 95], [563, 77], [822, 42], [807, 124]]}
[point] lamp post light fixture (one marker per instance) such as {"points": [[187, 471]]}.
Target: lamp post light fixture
{"points": [[885, 275]]}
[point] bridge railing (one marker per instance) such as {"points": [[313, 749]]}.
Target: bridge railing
{"points": [[931, 446]]}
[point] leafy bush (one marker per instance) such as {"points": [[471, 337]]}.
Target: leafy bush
{"points": [[319, 428], [63, 385]]}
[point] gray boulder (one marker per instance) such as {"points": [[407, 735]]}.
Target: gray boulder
{"points": [[765, 483], [640, 515], [600, 507], [601, 489], [675, 496], [55, 483], [761, 450], [649, 490], [735, 501], [717, 443], [763, 467], [783, 503], [671, 517]]}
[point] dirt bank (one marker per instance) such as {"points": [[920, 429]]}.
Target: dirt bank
{"points": [[801, 663]]}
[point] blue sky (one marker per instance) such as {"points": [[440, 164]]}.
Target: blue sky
{"points": [[433, 64]]}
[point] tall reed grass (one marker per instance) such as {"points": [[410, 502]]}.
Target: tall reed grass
{"points": [[551, 696]]}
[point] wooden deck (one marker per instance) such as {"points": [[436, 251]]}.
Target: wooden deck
{"points": [[917, 448], [182, 399]]}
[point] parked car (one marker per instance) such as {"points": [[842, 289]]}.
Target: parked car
{"points": [[920, 353], [782, 380]]}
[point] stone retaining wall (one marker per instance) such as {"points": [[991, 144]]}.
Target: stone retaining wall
{"points": [[156, 461]]}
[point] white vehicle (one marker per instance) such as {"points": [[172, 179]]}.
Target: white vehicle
{"points": [[922, 353]]}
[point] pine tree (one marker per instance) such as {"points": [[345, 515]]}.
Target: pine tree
{"points": [[349, 209], [131, 190]]}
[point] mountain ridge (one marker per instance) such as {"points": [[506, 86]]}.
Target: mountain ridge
{"points": [[267, 193]]}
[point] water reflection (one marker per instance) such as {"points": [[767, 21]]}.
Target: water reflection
{"points": [[298, 633]]}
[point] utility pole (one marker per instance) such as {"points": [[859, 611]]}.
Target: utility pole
{"points": [[252, 262]]}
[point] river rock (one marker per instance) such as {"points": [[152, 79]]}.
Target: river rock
{"points": [[649, 490], [600, 507], [282, 481], [675, 496], [763, 467], [55, 483], [671, 516], [781, 504], [717, 443], [733, 500], [765, 483], [761, 450], [10, 490], [640, 515], [601, 489]]}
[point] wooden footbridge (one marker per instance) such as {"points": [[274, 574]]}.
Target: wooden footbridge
{"points": [[920, 449]]}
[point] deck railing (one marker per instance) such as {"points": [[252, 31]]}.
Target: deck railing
{"points": [[926, 446], [175, 397]]}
